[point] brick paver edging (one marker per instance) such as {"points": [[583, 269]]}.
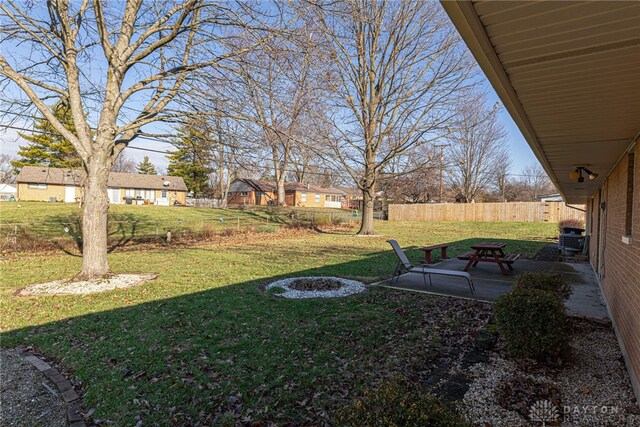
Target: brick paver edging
{"points": [[69, 395]]}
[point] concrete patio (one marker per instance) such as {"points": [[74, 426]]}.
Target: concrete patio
{"points": [[586, 300]]}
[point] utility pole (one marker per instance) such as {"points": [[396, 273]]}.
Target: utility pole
{"points": [[441, 147]]}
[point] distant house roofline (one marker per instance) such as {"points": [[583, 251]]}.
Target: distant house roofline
{"points": [[60, 176]]}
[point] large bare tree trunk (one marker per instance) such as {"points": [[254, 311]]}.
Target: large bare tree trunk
{"points": [[368, 199], [94, 221], [366, 226]]}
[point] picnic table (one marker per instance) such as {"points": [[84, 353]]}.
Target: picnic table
{"points": [[489, 252]]}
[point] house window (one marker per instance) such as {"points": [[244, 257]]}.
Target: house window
{"points": [[628, 224], [303, 197], [38, 186], [317, 198], [164, 194], [129, 192], [244, 193], [139, 193], [259, 193]]}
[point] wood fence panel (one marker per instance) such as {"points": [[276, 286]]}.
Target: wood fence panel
{"points": [[487, 212]]}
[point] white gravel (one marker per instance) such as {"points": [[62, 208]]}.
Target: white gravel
{"points": [[349, 287], [595, 387], [69, 287]]}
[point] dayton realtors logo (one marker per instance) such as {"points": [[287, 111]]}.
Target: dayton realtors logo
{"points": [[544, 412]]}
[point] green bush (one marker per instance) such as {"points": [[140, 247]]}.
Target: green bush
{"points": [[549, 282], [395, 404], [534, 324]]}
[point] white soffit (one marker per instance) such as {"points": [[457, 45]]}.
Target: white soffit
{"points": [[568, 73]]}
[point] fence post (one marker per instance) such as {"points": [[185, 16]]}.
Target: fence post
{"points": [[238, 223], [15, 237]]}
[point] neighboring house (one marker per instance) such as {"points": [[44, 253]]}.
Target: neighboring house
{"points": [[40, 183], [260, 192], [352, 197], [8, 191], [574, 94], [551, 198]]}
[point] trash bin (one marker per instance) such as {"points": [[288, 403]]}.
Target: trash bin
{"points": [[128, 200]]}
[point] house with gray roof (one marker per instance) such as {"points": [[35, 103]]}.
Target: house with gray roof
{"points": [[41, 183]]}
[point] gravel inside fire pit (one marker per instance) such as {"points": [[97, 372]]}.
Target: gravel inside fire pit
{"points": [[316, 287]]}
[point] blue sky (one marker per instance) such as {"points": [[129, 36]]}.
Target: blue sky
{"points": [[521, 154]]}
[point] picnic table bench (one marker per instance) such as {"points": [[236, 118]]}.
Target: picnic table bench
{"points": [[427, 251], [489, 252]]}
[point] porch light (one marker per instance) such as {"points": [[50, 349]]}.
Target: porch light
{"points": [[576, 175]]}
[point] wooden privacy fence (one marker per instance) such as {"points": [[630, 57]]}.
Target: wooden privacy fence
{"points": [[487, 212]]}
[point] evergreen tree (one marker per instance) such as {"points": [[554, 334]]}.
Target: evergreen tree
{"points": [[46, 146], [146, 167], [192, 159]]}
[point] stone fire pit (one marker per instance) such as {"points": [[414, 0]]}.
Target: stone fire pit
{"points": [[316, 287]]}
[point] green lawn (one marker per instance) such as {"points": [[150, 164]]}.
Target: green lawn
{"points": [[28, 226], [202, 343]]}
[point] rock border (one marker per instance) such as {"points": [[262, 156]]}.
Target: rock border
{"points": [[57, 287], [349, 287], [69, 395]]}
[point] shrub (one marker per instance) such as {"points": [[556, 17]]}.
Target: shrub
{"points": [[533, 323], [395, 403], [569, 223], [549, 282]]}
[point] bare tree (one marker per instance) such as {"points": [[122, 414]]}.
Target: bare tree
{"points": [[501, 179], [272, 93], [7, 172], [535, 181], [124, 163], [477, 147], [225, 155], [394, 67], [119, 65]]}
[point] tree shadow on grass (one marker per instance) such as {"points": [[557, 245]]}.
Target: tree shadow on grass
{"points": [[233, 354], [177, 353], [122, 229]]}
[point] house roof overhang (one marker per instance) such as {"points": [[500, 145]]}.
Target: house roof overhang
{"points": [[568, 73]]}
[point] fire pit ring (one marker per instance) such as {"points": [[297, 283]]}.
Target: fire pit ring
{"points": [[348, 287]]}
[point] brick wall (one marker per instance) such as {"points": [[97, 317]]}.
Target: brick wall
{"points": [[620, 277]]}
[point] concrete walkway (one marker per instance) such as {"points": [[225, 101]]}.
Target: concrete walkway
{"points": [[490, 283]]}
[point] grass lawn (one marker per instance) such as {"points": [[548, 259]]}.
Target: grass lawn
{"points": [[202, 343], [38, 224]]}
